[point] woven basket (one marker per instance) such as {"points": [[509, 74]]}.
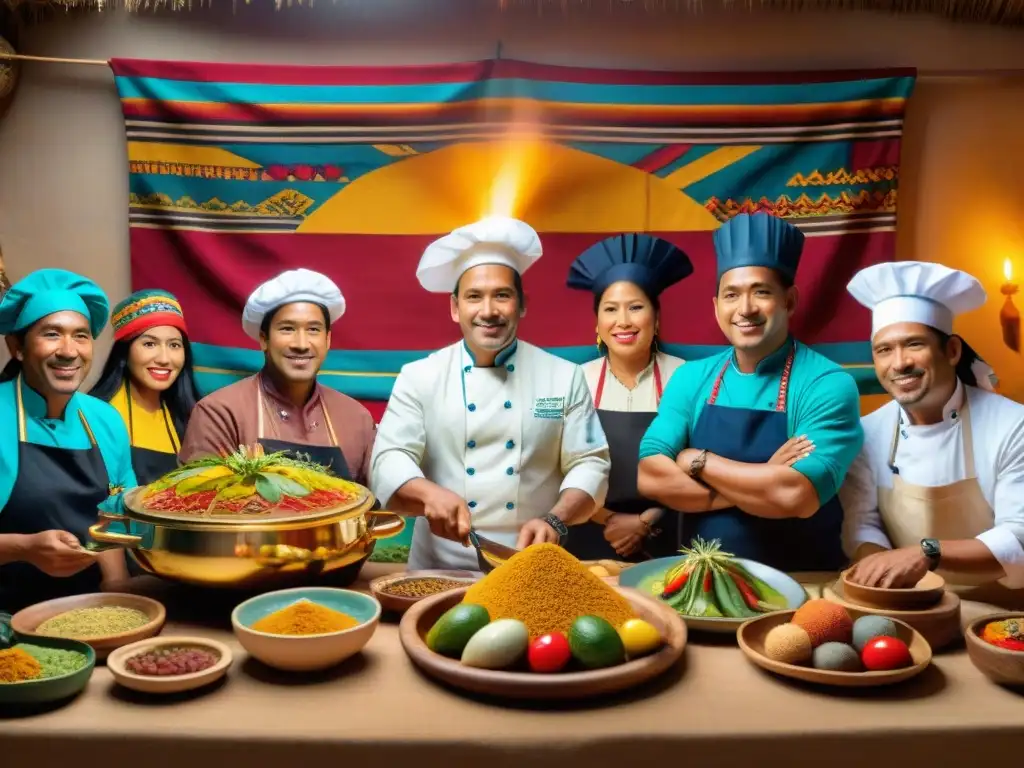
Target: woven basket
{"points": [[8, 70]]}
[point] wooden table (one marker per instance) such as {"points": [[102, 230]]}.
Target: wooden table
{"points": [[716, 710]]}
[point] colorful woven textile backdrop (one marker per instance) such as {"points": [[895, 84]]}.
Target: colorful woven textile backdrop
{"points": [[241, 171]]}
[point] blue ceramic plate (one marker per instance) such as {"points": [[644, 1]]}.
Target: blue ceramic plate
{"points": [[51, 689], [648, 577]]}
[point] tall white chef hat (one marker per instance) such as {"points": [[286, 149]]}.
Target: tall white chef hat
{"points": [[922, 292], [494, 240], [290, 287]]}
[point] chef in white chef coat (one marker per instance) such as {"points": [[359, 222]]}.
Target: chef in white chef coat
{"points": [[939, 483], [490, 432]]}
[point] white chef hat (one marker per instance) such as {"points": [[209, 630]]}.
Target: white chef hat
{"points": [[494, 240], [290, 287], [916, 292]]}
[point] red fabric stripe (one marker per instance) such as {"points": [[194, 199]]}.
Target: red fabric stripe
{"points": [[277, 74], [145, 322], [661, 157], [427, 114], [212, 275], [879, 153]]}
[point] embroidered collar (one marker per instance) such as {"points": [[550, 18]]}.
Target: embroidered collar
{"points": [[502, 358]]}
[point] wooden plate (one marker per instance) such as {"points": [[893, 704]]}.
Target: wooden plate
{"points": [[751, 639], [925, 594], [26, 620], [400, 604], [1000, 665], [174, 683], [526, 685], [939, 624]]}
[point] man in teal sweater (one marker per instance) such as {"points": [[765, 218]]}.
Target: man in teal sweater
{"points": [[752, 444]]}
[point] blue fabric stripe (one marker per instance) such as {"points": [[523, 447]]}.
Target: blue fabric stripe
{"points": [[585, 93]]}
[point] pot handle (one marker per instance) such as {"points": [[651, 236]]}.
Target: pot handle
{"points": [[385, 525], [100, 533]]}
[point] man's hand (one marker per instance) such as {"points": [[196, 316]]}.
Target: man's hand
{"points": [[447, 514], [626, 533], [536, 532], [794, 449], [57, 553], [894, 569]]}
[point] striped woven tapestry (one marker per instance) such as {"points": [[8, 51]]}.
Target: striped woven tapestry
{"points": [[238, 172]]}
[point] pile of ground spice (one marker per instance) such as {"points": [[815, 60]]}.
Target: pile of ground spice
{"points": [[305, 618], [99, 621], [54, 662], [547, 589], [17, 665]]}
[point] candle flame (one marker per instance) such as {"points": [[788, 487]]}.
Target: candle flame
{"points": [[1007, 269]]}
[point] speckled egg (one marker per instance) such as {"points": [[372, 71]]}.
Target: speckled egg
{"points": [[837, 657], [825, 622], [789, 644], [867, 628]]}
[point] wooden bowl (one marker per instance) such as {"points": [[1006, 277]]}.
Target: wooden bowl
{"points": [[939, 624], [527, 685], [26, 620], [925, 594], [172, 683], [1000, 665], [400, 604], [751, 640]]}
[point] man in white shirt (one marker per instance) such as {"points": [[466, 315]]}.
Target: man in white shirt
{"points": [[939, 483], [490, 432]]}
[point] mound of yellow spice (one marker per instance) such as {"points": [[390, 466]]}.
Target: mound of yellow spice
{"points": [[547, 589]]}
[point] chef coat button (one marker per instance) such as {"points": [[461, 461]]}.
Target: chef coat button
{"points": [[471, 407], [510, 471], [511, 367], [508, 403], [470, 471], [471, 444], [510, 444], [467, 369], [472, 504], [510, 505]]}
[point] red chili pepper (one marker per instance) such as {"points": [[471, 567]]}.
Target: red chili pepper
{"points": [[748, 594], [676, 584], [707, 580]]}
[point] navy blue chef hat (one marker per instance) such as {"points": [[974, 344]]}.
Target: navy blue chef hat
{"points": [[649, 262], [758, 240]]}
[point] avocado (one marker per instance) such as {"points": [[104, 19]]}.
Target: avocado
{"points": [[452, 631], [594, 643]]}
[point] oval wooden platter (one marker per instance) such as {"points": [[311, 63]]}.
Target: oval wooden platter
{"points": [[751, 641], [418, 620]]}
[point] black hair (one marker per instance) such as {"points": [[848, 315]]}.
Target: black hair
{"points": [[655, 303], [964, 366], [517, 283], [13, 367], [180, 398], [269, 317]]}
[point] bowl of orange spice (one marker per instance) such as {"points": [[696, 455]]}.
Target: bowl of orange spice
{"points": [[995, 644], [307, 628]]}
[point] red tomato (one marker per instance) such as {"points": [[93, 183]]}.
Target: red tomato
{"points": [[549, 653], [885, 653]]}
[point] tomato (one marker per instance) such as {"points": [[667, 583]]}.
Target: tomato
{"points": [[549, 653], [885, 653]]}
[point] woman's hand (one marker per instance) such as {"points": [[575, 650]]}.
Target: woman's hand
{"points": [[794, 449], [626, 533]]}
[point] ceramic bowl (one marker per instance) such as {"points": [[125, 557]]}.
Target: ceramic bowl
{"points": [[1000, 665], [926, 593], [304, 653], [53, 689], [26, 620], [117, 660], [401, 603]]}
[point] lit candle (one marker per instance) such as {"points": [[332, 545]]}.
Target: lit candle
{"points": [[1009, 317]]}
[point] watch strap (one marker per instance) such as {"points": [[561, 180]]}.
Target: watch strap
{"points": [[558, 525], [933, 551]]}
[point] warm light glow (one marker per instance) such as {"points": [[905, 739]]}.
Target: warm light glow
{"points": [[518, 171], [1007, 270]]}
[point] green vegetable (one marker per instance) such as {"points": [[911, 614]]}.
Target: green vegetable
{"points": [[266, 488], [594, 643], [457, 625], [286, 485]]}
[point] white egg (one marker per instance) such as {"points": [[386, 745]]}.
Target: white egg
{"points": [[497, 645]]}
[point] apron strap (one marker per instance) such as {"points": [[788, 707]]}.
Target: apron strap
{"points": [[780, 401], [259, 416], [21, 418], [966, 435], [599, 393]]}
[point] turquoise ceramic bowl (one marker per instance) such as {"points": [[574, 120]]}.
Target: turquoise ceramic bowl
{"points": [[55, 688], [301, 653]]}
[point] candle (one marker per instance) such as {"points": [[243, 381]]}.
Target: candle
{"points": [[1009, 316]]}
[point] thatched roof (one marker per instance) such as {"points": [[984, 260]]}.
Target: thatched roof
{"points": [[1002, 12]]}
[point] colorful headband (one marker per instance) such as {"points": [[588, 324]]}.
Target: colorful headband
{"points": [[146, 309]]}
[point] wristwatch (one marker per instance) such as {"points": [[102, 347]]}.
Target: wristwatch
{"points": [[697, 465], [931, 549], [558, 525]]}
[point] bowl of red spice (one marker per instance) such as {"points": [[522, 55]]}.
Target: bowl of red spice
{"points": [[306, 628], [995, 645], [169, 664]]}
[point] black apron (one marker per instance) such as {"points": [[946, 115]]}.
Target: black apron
{"points": [[753, 436], [56, 489], [150, 465], [329, 456], [624, 430]]}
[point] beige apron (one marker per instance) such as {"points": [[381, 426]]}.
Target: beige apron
{"points": [[944, 512]]}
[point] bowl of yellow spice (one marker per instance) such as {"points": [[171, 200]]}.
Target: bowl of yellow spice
{"points": [[307, 628]]}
